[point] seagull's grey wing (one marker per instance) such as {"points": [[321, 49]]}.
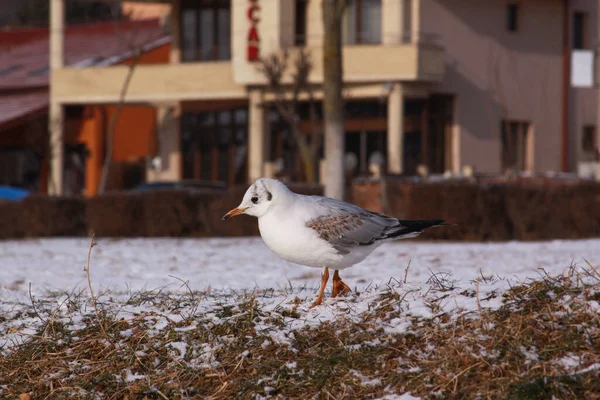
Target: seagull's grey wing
{"points": [[345, 226]]}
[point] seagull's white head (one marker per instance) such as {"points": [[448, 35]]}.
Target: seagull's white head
{"points": [[260, 197]]}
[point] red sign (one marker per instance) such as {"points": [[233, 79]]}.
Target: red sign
{"points": [[253, 38]]}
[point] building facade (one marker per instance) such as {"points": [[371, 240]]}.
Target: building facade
{"points": [[442, 84], [25, 100]]}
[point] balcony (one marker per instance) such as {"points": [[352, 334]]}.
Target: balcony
{"points": [[366, 64], [363, 64], [149, 84]]}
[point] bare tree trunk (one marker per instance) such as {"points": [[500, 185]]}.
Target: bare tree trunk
{"points": [[305, 153], [332, 100], [137, 50], [315, 136]]}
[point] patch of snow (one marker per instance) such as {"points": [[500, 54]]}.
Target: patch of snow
{"points": [[405, 396], [186, 328], [366, 381], [569, 362], [127, 333], [591, 368], [530, 354], [181, 347], [291, 365], [594, 305], [131, 377]]}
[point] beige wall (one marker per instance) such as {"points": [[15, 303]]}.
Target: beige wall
{"points": [[495, 74], [149, 83], [145, 10]]}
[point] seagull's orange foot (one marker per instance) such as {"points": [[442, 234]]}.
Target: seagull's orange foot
{"points": [[339, 287], [324, 280], [317, 302]]}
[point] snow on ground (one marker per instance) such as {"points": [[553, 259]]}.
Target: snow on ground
{"points": [[246, 263], [452, 278], [441, 277]]}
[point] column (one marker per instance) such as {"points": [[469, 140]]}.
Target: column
{"points": [[392, 23], [395, 134], [415, 21], [256, 135], [456, 148], [56, 113], [168, 121]]}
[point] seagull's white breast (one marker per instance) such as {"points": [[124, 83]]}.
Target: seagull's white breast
{"points": [[287, 235]]}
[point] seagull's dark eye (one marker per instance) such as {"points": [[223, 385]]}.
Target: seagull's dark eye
{"points": [[254, 199]]}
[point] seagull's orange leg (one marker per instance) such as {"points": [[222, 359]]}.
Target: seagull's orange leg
{"points": [[339, 287], [324, 280]]}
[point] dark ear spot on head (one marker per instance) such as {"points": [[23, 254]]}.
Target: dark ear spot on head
{"points": [[269, 195]]}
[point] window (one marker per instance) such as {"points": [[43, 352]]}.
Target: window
{"points": [[588, 139], [205, 30], [407, 36], [215, 145], [580, 41], [20, 167], [512, 17], [367, 147], [300, 21], [362, 22], [514, 145]]}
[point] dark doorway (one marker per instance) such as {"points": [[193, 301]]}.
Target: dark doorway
{"points": [[439, 132], [427, 133]]}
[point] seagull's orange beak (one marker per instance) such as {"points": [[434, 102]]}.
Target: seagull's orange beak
{"points": [[233, 213]]}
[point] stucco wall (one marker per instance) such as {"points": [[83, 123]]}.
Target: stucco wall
{"points": [[499, 74]]}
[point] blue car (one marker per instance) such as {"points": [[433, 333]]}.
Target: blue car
{"points": [[12, 193]]}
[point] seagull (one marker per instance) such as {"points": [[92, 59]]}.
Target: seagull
{"points": [[321, 232]]}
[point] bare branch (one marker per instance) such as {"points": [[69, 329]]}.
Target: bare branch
{"points": [[274, 68], [302, 68], [110, 134]]}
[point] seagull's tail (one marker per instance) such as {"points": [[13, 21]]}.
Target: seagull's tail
{"points": [[407, 229]]}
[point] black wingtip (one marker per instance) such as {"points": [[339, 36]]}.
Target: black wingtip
{"points": [[415, 227], [423, 224]]}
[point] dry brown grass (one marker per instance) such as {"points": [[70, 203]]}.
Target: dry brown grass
{"points": [[267, 344]]}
